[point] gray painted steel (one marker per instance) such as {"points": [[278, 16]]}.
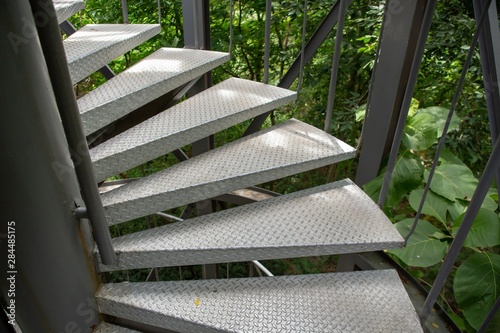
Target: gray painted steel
{"points": [[330, 219], [489, 44], [157, 74], [95, 45], [283, 150], [54, 54], [54, 287], [67, 8], [390, 78], [370, 301], [108, 328], [206, 113]]}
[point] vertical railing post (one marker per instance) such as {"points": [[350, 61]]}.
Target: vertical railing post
{"points": [[489, 46], [335, 65], [51, 282], [125, 11], [267, 40]]}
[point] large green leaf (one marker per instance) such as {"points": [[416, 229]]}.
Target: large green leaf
{"points": [[440, 114], [422, 249], [420, 131], [435, 205], [447, 157], [453, 181], [456, 209], [407, 176], [485, 230], [477, 287], [489, 203]]}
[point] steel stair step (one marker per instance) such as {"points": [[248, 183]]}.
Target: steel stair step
{"points": [[365, 301], [335, 218], [67, 8], [95, 45], [155, 75], [109, 328], [280, 151], [206, 113]]}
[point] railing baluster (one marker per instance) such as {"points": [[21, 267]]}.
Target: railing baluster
{"points": [[231, 28], [125, 11], [477, 199], [267, 46], [302, 47], [335, 65]]}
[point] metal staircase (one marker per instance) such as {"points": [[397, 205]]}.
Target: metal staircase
{"points": [[335, 218]]}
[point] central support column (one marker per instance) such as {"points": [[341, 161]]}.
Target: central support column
{"points": [[46, 274]]}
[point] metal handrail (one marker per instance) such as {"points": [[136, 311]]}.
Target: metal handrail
{"points": [[55, 55]]}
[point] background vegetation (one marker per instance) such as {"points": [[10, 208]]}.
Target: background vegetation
{"points": [[474, 284]]}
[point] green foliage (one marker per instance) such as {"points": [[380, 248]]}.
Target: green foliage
{"points": [[451, 189], [485, 231], [477, 287], [423, 249], [468, 140]]}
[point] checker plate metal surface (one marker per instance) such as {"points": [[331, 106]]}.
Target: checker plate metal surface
{"points": [[206, 113], [330, 219], [155, 75], [280, 151], [108, 328], [67, 8], [367, 301], [95, 45]]}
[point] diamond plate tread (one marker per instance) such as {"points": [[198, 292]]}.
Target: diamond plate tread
{"points": [[155, 75], [108, 328], [334, 218], [365, 301], [95, 45], [67, 8], [206, 113], [280, 151]]}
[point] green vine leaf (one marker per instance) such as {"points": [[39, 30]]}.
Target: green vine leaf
{"points": [[422, 249], [453, 182], [435, 205], [485, 230], [477, 287]]}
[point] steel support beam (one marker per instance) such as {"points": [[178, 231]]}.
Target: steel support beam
{"points": [[390, 79], [52, 283], [489, 46]]}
